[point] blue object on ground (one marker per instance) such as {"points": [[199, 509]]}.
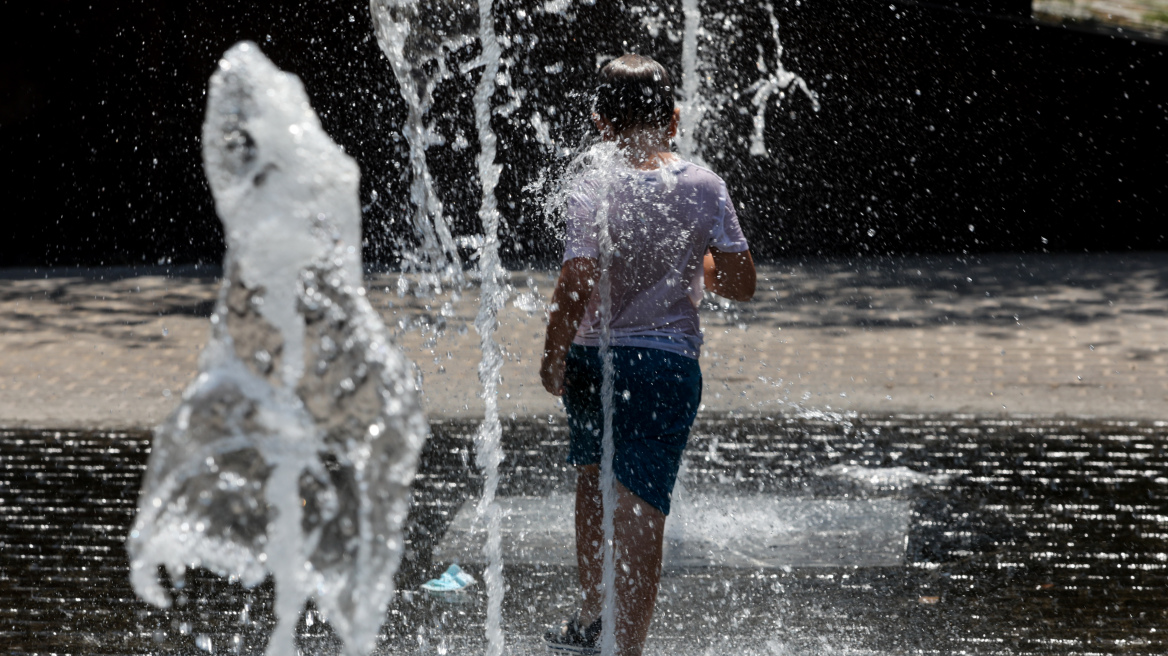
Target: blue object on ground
{"points": [[452, 580]]}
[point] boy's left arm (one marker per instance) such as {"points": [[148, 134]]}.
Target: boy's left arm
{"points": [[730, 275], [570, 299]]}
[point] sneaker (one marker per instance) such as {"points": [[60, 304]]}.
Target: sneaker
{"points": [[571, 638]]}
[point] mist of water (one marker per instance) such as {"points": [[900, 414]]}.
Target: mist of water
{"points": [[293, 451]]}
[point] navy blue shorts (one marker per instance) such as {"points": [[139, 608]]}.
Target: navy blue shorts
{"points": [[655, 400]]}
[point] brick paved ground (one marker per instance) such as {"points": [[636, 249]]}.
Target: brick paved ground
{"points": [[1038, 334]]}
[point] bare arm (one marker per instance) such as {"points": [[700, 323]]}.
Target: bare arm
{"points": [[573, 289], [730, 275]]}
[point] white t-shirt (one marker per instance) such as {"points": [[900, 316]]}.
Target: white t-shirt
{"points": [[661, 222]]}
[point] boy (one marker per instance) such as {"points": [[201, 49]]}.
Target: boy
{"points": [[672, 226]]}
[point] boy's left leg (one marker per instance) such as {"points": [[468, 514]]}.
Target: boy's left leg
{"points": [[590, 542], [639, 533]]}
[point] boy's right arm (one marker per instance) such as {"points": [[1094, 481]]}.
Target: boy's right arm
{"points": [[730, 275], [570, 299]]}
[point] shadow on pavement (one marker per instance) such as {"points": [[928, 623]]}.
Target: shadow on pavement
{"points": [[991, 290]]}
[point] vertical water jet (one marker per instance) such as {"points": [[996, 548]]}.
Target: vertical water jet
{"points": [[416, 37], [492, 298], [607, 444], [693, 106]]}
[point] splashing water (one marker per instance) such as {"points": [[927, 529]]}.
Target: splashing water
{"points": [[776, 82], [293, 451], [416, 38], [703, 52]]}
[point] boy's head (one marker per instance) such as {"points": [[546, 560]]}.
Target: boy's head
{"points": [[635, 92]]}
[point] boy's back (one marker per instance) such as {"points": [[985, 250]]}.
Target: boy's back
{"points": [[661, 221]]}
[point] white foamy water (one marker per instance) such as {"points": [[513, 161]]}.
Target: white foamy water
{"points": [[884, 477], [709, 529], [293, 450]]}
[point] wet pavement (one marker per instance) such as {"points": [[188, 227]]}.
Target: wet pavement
{"points": [[902, 534]]}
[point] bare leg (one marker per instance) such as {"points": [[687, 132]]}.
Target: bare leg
{"points": [[589, 541], [640, 529]]}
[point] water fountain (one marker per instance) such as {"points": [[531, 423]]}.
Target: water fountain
{"points": [[293, 451]]}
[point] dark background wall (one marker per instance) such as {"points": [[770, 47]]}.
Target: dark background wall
{"points": [[936, 117]]}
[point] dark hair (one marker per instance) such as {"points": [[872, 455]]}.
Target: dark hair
{"points": [[635, 91]]}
